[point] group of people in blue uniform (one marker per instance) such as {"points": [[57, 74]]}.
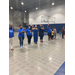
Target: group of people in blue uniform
{"points": [[28, 31], [11, 35]]}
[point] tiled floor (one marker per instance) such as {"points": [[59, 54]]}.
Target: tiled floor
{"points": [[41, 59]]}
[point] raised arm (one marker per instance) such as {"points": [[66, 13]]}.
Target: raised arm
{"points": [[47, 26], [33, 27], [43, 27], [62, 30]]}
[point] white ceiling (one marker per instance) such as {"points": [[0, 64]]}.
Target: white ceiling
{"points": [[32, 4]]}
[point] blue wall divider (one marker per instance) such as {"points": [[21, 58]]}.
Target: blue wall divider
{"points": [[57, 26]]}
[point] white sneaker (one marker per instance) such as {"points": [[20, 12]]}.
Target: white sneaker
{"points": [[20, 46]]}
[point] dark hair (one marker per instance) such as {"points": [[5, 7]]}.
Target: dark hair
{"points": [[20, 25], [52, 29], [10, 27]]}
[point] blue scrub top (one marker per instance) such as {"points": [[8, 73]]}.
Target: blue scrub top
{"points": [[49, 30], [11, 32], [28, 32], [35, 35], [21, 34]]}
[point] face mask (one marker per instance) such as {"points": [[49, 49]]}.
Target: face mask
{"points": [[29, 27]]}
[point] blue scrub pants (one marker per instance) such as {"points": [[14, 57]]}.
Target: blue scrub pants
{"points": [[41, 37], [29, 39], [21, 40]]}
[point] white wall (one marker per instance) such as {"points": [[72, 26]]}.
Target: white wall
{"points": [[58, 12]]}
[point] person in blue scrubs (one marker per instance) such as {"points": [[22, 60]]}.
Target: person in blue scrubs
{"points": [[36, 33], [41, 33], [49, 32], [63, 32], [21, 35], [11, 35], [29, 34]]}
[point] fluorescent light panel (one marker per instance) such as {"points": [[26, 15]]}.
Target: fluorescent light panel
{"points": [[11, 7], [22, 3], [52, 3], [36, 8], [25, 11]]}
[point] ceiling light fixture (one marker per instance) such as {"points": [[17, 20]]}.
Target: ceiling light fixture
{"points": [[50, 59], [22, 3], [25, 11], [11, 7], [36, 8], [52, 3]]}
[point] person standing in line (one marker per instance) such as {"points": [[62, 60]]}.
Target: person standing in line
{"points": [[36, 33], [28, 28], [55, 31], [11, 35], [21, 35], [41, 33], [60, 34], [13, 28], [49, 32], [63, 32], [29, 34], [39, 29], [52, 34]]}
